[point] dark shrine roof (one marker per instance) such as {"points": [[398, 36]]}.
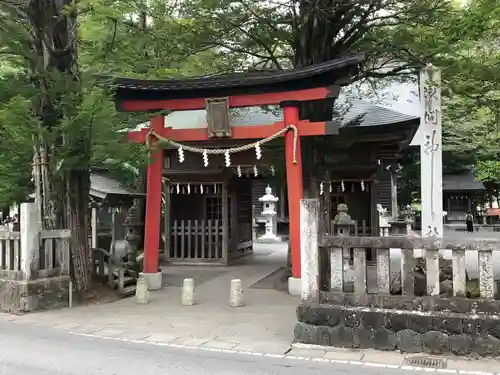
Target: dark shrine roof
{"points": [[372, 115], [317, 75], [102, 186], [461, 182]]}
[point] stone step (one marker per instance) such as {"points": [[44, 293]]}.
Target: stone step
{"points": [[127, 280], [128, 291]]}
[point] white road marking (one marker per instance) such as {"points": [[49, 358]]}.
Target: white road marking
{"points": [[259, 354]]}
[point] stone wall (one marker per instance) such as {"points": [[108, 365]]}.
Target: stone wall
{"points": [[41, 294], [35, 265], [434, 325]]}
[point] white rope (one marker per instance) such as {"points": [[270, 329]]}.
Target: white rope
{"points": [[232, 150]]}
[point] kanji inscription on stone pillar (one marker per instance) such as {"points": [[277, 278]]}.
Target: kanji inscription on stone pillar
{"points": [[431, 163]]}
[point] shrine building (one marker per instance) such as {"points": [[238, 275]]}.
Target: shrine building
{"points": [[206, 174]]}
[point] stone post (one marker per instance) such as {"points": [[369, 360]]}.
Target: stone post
{"points": [[236, 294], [30, 228], [142, 291], [309, 247], [188, 290]]}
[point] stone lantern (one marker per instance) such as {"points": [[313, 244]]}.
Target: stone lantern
{"points": [[383, 221], [342, 221], [342, 224], [409, 219], [134, 226], [269, 213]]}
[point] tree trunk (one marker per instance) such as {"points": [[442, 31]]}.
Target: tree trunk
{"points": [[65, 182], [317, 32], [76, 218]]}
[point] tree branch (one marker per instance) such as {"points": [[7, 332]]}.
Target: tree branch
{"points": [[258, 41]]}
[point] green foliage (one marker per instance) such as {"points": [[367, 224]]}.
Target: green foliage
{"points": [[17, 123], [488, 171], [83, 122], [142, 39], [471, 113]]}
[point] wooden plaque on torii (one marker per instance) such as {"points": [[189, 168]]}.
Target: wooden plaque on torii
{"points": [[218, 123]]}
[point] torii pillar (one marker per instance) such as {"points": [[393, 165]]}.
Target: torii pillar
{"points": [[295, 191]]}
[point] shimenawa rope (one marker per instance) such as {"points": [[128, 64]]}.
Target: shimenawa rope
{"points": [[211, 151]]}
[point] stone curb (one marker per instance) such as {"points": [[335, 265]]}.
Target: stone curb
{"points": [[381, 364], [288, 356]]}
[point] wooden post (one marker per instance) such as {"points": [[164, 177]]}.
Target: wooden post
{"points": [[225, 224], [153, 205], [394, 196], [113, 231], [234, 220], [254, 224], [94, 227], [309, 217], [294, 183], [374, 215], [282, 203], [167, 230]]}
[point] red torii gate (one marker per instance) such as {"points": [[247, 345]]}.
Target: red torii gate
{"points": [[285, 88]]}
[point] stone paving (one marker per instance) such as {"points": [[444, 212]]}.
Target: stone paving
{"points": [[267, 320]]}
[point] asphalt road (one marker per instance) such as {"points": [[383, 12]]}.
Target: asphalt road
{"points": [[35, 351]]}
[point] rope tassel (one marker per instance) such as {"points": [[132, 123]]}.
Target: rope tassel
{"points": [[205, 158]]}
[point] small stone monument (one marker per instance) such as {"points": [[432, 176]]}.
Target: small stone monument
{"points": [[187, 298], [269, 213], [236, 294]]}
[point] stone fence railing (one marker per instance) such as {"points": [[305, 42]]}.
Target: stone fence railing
{"points": [[33, 257], [337, 246]]}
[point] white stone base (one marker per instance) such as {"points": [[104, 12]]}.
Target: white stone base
{"points": [[294, 286], [269, 238], [154, 280]]}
